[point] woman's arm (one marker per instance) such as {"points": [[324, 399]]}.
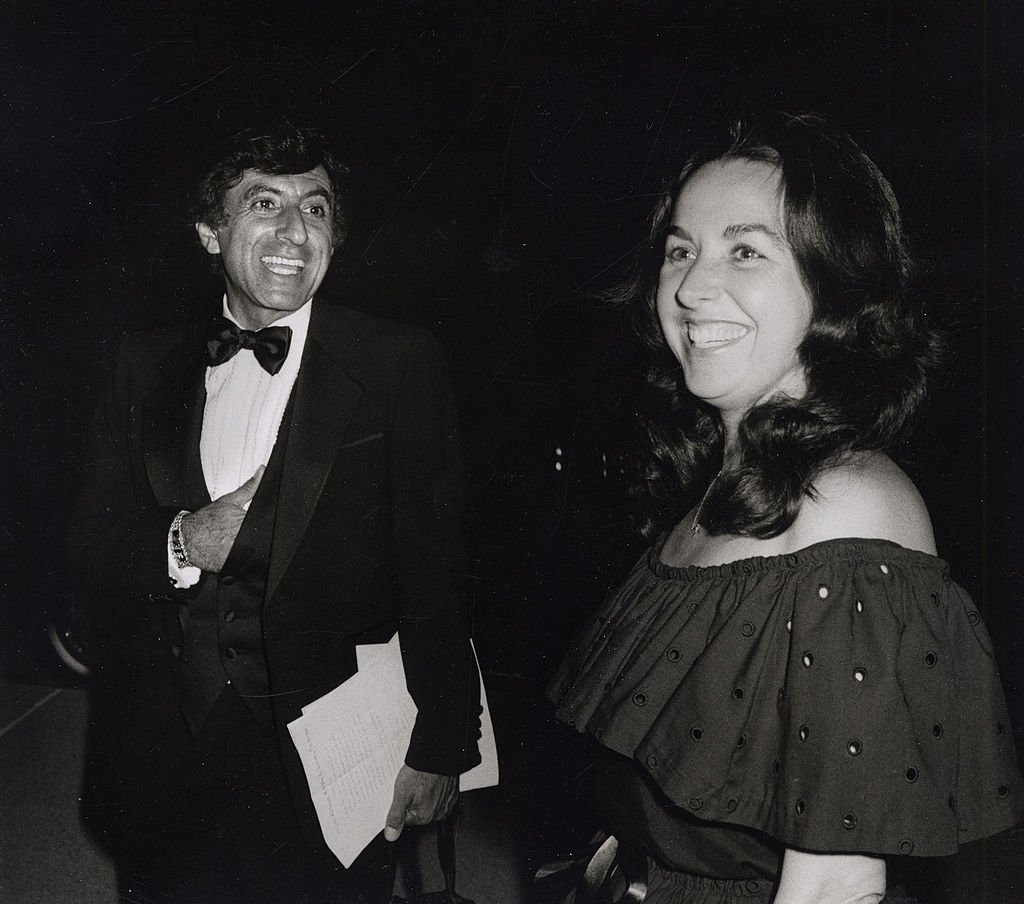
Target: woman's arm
{"points": [[867, 496], [830, 879]]}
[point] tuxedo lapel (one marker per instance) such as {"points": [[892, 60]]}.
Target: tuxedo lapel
{"points": [[327, 391], [172, 425]]}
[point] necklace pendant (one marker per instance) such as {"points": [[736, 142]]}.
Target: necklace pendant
{"points": [[695, 524]]}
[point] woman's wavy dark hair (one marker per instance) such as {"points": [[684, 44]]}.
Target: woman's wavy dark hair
{"points": [[283, 149], [866, 355]]}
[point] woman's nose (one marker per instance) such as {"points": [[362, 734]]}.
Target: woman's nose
{"points": [[291, 226], [700, 283]]}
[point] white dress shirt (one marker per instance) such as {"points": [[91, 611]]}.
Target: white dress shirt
{"points": [[241, 419]]}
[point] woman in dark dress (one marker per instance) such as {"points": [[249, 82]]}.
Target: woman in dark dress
{"points": [[788, 687]]}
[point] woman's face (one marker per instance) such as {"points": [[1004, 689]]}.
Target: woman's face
{"points": [[731, 301]]}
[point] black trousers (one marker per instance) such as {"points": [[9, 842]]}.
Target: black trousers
{"points": [[214, 826]]}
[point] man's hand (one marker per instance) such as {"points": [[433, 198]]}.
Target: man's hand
{"points": [[420, 798], [210, 532]]}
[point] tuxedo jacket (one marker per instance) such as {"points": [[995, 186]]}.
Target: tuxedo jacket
{"points": [[364, 535]]}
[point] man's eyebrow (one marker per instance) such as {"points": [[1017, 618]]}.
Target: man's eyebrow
{"points": [[259, 188], [324, 193]]}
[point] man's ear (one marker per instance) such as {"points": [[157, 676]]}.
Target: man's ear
{"points": [[208, 238]]}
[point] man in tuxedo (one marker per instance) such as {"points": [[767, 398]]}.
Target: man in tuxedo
{"points": [[265, 491]]}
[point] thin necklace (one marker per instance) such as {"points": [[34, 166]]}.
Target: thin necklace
{"points": [[695, 524]]}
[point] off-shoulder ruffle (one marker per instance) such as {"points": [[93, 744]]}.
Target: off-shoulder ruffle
{"points": [[842, 698]]}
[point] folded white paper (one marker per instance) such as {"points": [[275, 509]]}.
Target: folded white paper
{"points": [[353, 740]]}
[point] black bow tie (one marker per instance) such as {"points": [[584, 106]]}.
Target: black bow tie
{"points": [[269, 345]]}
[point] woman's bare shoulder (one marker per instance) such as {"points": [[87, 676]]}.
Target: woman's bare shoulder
{"points": [[867, 495]]}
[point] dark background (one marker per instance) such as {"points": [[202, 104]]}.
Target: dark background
{"points": [[505, 155]]}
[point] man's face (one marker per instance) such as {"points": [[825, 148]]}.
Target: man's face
{"points": [[275, 244]]}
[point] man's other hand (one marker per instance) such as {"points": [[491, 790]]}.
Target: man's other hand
{"points": [[209, 533], [420, 798]]}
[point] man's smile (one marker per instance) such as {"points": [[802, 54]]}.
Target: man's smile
{"points": [[282, 266]]}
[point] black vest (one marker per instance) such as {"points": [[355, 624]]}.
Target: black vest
{"points": [[223, 624]]}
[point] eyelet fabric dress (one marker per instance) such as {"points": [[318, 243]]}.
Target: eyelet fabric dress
{"points": [[843, 698]]}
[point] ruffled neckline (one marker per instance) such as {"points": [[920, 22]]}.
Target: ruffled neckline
{"points": [[841, 697], [842, 549]]}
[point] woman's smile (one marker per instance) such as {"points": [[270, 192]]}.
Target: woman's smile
{"points": [[714, 334]]}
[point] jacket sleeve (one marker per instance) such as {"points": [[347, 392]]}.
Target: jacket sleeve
{"points": [[431, 567], [117, 540]]}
